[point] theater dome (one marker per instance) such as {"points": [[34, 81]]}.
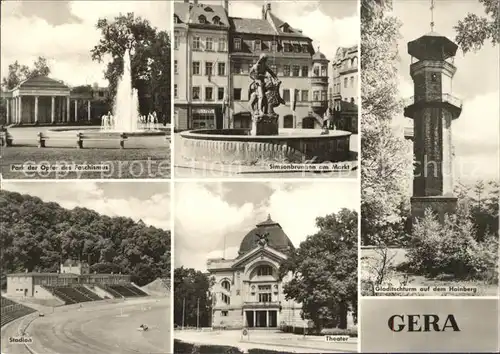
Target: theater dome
{"points": [[276, 238]]}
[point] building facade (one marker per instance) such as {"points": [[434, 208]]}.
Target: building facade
{"points": [[221, 101], [247, 291]]}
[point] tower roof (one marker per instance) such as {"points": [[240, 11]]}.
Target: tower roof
{"points": [[318, 56], [276, 237], [432, 46]]}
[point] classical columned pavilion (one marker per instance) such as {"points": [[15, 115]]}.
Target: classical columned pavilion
{"points": [[42, 100]]}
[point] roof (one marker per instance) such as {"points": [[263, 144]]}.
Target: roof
{"points": [[432, 46], [41, 82], [276, 237], [319, 56], [252, 25], [345, 52], [190, 13]]}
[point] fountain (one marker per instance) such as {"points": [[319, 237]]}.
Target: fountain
{"points": [[264, 142]]}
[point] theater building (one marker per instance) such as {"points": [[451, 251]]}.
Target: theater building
{"points": [[302, 71], [247, 290]]}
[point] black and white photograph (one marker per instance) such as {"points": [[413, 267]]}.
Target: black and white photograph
{"points": [[265, 88], [430, 148], [85, 89], [85, 267], [266, 267]]}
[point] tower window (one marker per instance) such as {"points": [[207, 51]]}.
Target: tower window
{"points": [[225, 284], [264, 270], [434, 77]]}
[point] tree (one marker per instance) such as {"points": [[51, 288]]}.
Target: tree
{"points": [[150, 60], [324, 271], [192, 291], [18, 73], [474, 30], [386, 166]]}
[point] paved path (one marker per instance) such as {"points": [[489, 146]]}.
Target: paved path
{"points": [[266, 340]]}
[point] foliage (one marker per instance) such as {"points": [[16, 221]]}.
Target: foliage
{"points": [[18, 73], [181, 347], [37, 236], [150, 60], [351, 332], [386, 166], [474, 30], [482, 199], [450, 248], [324, 271], [192, 289]]}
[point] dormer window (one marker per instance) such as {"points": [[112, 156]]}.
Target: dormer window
{"points": [[258, 45], [216, 20], [202, 19], [208, 9]]}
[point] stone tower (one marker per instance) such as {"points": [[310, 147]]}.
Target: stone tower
{"points": [[432, 108]]}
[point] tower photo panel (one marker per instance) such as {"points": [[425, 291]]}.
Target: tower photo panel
{"points": [[85, 267], [261, 266], [430, 169], [266, 88]]}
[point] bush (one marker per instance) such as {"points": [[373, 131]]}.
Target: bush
{"points": [[351, 332], [451, 249]]}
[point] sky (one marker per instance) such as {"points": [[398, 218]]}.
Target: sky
{"points": [[64, 32], [226, 211], [146, 201], [476, 82], [329, 23]]}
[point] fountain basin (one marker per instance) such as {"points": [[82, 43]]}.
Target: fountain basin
{"points": [[104, 133], [291, 145]]}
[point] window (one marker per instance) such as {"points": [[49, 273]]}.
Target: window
{"points": [[175, 90], [352, 81], [196, 43], [305, 48], [226, 299], [296, 48], [258, 45], [176, 42], [287, 47], [226, 285], [203, 118], [315, 95], [209, 94], [324, 70], [221, 69], [176, 19], [323, 95], [209, 44], [305, 95], [222, 45], [296, 70], [223, 313], [434, 77], [196, 68], [237, 68], [216, 20], [196, 92], [316, 71], [286, 95], [352, 99], [237, 94], [345, 82], [237, 44], [305, 71], [266, 297], [220, 93], [175, 67], [208, 68], [265, 269], [286, 70], [274, 46], [202, 19]]}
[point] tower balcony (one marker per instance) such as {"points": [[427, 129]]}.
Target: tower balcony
{"points": [[445, 100]]}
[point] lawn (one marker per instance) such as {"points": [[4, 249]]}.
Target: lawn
{"points": [[416, 285], [143, 157]]}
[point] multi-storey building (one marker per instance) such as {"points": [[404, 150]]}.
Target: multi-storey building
{"points": [[303, 73], [201, 65]]}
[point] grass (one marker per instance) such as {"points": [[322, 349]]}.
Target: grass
{"points": [[137, 160], [439, 286]]}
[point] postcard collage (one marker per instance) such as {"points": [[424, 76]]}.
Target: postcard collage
{"points": [[344, 155]]}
